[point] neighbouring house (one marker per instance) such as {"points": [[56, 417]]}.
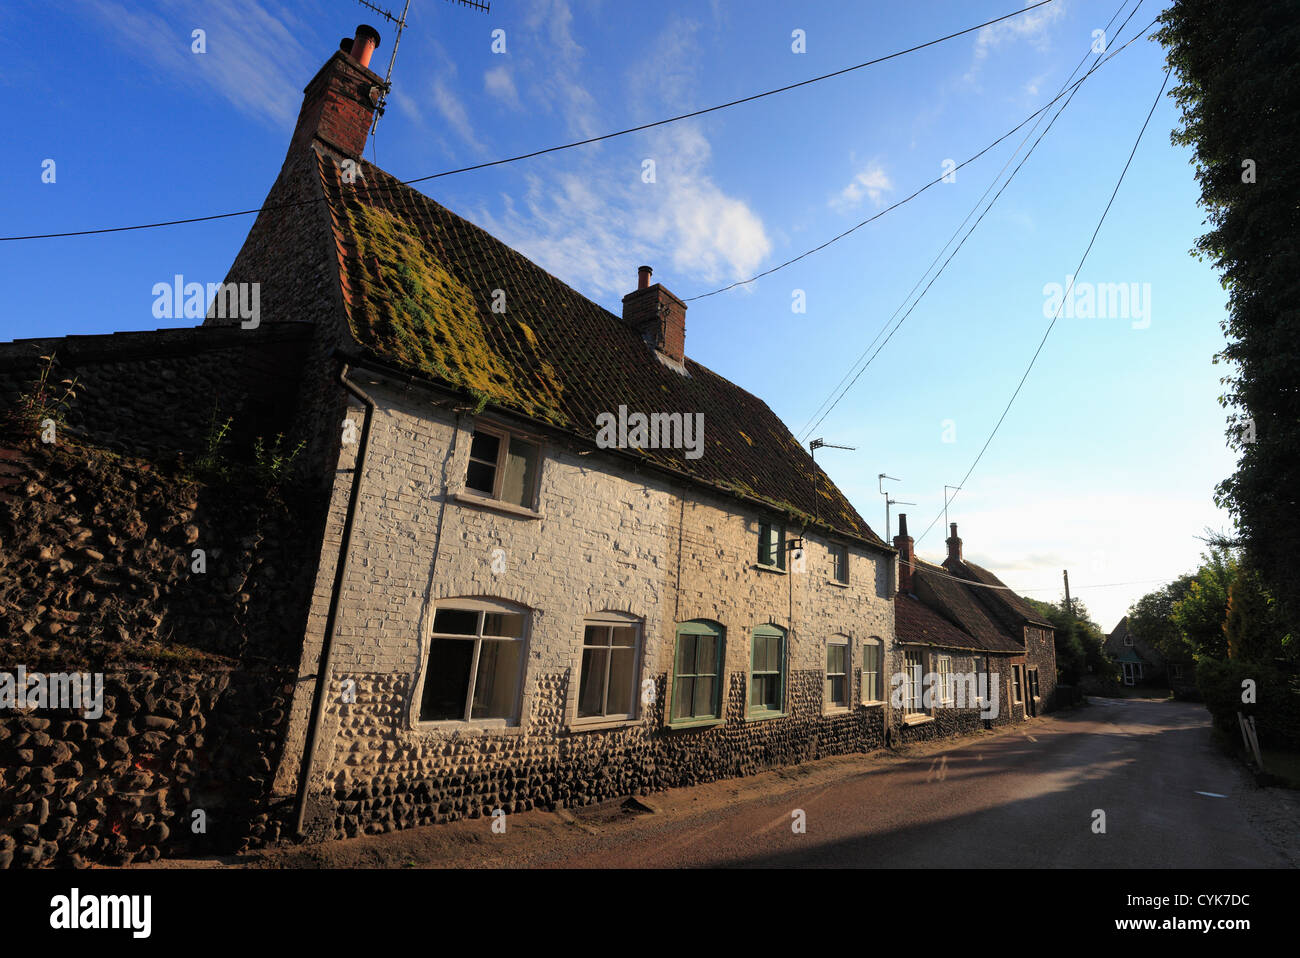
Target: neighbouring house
{"points": [[1141, 663], [556, 560], [959, 617]]}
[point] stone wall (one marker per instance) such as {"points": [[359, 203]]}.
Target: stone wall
{"points": [[1040, 652], [154, 393], [97, 576], [603, 539], [126, 785]]}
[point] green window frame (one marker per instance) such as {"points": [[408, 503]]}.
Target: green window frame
{"points": [[767, 670], [771, 544], [697, 673]]}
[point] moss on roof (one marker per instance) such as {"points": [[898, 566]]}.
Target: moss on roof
{"points": [[415, 312]]}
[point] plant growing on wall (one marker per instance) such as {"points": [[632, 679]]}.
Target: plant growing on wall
{"points": [[44, 399]]}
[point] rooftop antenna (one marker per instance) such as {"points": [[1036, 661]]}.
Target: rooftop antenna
{"points": [[889, 502], [946, 501], [812, 449], [400, 23]]}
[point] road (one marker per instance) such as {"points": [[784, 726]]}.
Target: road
{"points": [[1027, 797]]}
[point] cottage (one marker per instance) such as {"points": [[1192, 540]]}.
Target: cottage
{"points": [[522, 594], [960, 618]]}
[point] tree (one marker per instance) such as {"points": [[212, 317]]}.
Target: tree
{"points": [[1150, 619], [1078, 639], [1239, 94], [1199, 615], [1253, 631]]}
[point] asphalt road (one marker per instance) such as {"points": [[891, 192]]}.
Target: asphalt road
{"points": [[1024, 799]]}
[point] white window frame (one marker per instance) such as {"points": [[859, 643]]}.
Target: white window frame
{"points": [[505, 437], [878, 686], [828, 705], [1017, 685], [943, 681], [914, 683], [480, 606], [608, 620]]}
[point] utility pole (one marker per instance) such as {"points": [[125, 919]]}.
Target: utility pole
{"points": [[1069, 606]]}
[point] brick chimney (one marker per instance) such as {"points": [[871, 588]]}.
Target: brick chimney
{"points": [[903, 543], [658, 315], [339, 103], [954, 544]]}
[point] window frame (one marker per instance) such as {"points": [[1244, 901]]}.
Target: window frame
{"points": [[839, 563], [698, 627], [504, 437], [768, 630], [1032, 688], [481, 606], [914, 695], [828, 705], [878, 644], [942, 668], [770, 526], [1017, 684], [608, 619]]}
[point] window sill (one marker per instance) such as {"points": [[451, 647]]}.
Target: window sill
{"points": [[597, 725], [837, 583], [695, 723], [917, 719], [764, 716], [761, 567], [835, 710], [455, 729], [497, 505], [872, 705]]}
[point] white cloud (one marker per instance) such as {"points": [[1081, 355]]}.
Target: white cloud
{"points": [[254, 60], [501, 85], [1029, 27], [871, 181], [595, 222], [453, 111]]}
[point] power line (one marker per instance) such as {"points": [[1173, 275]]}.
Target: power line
{"points": [[957, 248], [1007, 588], [1073, 279], [553, 149], [811, 425]]}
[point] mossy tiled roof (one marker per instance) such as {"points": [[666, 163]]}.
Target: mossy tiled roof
{"points": [[420, 285], [958, 603]]}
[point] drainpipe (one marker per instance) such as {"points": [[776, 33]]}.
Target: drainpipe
{"points": [[340, 572]]}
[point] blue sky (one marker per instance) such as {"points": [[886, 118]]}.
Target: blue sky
{"points": [[1105, 464]]}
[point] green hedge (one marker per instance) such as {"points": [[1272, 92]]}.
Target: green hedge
{"points": [[1277, 699]]}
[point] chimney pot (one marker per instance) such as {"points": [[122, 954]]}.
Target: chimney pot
{"points": [[658, 315], [906, 560], [367, 40], [954, 544]]}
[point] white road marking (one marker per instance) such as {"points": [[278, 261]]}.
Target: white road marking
{"points": [[1212, 794]]}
